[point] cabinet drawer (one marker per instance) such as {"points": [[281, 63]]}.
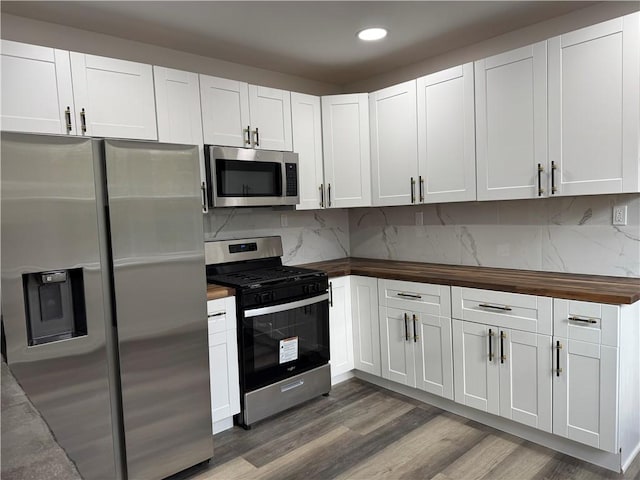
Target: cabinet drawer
{"points": [[586, 321], [510, 310], [414, 296], [221, 315]]}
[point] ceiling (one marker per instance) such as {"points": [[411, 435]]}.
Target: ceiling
{"points": [[311, 39]]}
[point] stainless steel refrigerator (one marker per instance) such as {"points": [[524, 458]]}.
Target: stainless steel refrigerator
{"points": [[103, 299]]}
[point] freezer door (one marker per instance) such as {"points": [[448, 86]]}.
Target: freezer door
{"points": [[51, 225], [160, 302]]}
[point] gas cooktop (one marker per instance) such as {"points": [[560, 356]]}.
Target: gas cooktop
{"points": [[261, 276]]}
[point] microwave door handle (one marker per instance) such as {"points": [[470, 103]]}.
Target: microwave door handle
{"points": [[255, 312]]}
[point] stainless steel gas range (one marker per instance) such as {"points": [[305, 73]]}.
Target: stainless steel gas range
{"points": [[283, 325]]}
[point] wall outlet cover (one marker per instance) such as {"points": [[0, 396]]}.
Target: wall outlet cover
{"points": [[620, 215]]}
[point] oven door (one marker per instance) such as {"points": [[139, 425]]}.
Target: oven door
{"points": [[283, 340]]}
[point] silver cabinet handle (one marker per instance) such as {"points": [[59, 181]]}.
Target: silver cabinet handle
{"points": [[490, 336], [247, 140], [257, 134], [554, 189], [495, 307], [540, 189], [503, 357], [583, 320], [413, 190], [203, 189], [408, 295], [406, 327], [321, 195], [67, 116], [330, 294], [83, 121], [415, 329], [558, 369], [421, 188], [328, 195], [218, 314]]}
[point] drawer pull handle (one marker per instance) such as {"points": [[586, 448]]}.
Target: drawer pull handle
{"points": [[558, 370], [219, 314], [408, 295], [490, 336], [583, 320], [291, 386], [495, 307]]}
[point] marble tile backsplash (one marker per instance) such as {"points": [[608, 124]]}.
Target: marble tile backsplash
{"points": [[572, 234], [309, 236]]}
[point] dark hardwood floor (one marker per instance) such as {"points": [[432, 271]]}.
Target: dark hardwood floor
{"points": [[366, 432]]}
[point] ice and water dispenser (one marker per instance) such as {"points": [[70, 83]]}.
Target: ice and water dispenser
{"points": [[54, 305]]}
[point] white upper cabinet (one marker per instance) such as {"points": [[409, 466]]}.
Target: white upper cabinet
{"points": [[225, 112], [178, 109], [511, 124], [394, 145], [594, 118], [113, 98], [306, 123], [446, 136], [345, 129], [36, 89], [270, 113], [239, 115]]}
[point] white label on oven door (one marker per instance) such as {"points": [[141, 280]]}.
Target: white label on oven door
{"points": [[288, 349]]}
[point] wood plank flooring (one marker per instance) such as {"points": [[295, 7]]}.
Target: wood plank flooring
{"points": [[362, 431]]}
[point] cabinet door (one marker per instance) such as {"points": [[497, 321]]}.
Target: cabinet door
{"points": [[306, 122], [366, 329], [223, 368], [446, 136], [511, 123], [347, 167], [396, 346], [340, 329], [270, 113], [113, 98], [433, 354], [476, 375], [36, 89], [178, 108], [585, 393], [225, 112], [525, 378], [394, 145], [593, 108]]}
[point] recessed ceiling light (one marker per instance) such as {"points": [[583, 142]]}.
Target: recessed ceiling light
{"points": [[370, 34]]}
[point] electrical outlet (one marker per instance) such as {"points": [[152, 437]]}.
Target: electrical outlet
{"points": [[419, 218], [620, 215], [284, 221]]}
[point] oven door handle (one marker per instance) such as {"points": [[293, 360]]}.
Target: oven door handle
{"points": [[255, 312]]}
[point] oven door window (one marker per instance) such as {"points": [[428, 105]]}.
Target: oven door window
{"points": [[279, 345], [238, 178]]}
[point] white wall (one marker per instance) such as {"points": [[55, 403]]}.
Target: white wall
{"points": [[310, 236], [535, 33], [26, 30], [571, 234]]}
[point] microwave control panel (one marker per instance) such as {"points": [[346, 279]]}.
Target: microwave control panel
{"points": [[292, 179]]}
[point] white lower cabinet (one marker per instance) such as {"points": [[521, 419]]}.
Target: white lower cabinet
{"points": [[415, 335], [340, 328], [501, 370], [364, 316], [223, 362]]}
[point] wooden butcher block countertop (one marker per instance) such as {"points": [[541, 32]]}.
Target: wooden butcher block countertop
{"points": [[590, 288], [218, 291]]}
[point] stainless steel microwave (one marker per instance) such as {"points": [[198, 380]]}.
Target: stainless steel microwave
{"points": [[243, 177]]}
